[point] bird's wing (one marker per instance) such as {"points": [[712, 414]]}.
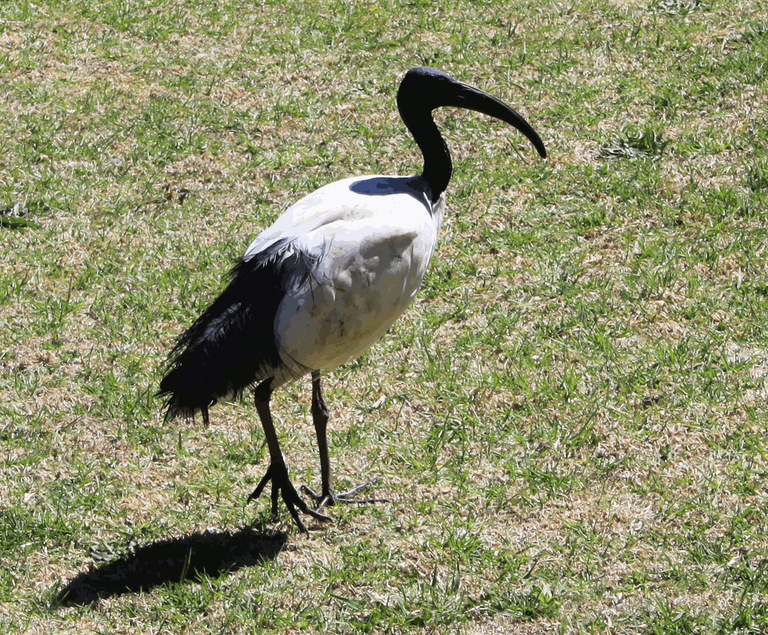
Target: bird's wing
{"points": [[375, 251]]}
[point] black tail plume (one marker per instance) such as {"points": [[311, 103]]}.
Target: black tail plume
{"points": [[232, 346]]}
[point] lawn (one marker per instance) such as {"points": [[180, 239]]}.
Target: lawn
{"points": [[570, 421]]}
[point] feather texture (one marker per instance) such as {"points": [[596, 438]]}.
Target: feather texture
{"points": [[231, 346]]}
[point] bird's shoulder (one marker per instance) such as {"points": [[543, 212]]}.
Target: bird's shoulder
{"points": [[361, 209]]}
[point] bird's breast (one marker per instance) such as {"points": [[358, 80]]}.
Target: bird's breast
{"points": [[360, 287]]}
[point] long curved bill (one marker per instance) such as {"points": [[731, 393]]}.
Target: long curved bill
{"points": [[471, 98]]}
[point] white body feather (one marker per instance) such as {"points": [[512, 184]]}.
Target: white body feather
{"points": [[376, 235]]}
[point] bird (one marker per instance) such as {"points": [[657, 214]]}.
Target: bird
{"points": [[324, 282]]}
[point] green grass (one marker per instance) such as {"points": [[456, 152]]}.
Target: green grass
{"points": [[570, 422]]}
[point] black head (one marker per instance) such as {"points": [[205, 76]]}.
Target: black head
{"points": [[423, 89]]}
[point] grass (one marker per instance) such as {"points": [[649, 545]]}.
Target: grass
{"points": [[570, 422]]}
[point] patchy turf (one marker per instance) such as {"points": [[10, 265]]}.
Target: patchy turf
{"points": [[570, 422]]}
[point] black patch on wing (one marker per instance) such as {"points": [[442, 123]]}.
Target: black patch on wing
{"points": [[232, 346]]}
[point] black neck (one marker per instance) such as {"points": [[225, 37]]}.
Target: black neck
{"points": [[437, 160]]}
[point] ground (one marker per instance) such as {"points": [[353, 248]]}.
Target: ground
{"points": [[570, 421]]}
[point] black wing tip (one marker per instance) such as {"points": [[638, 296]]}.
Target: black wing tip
{"points": [[231, 347]]}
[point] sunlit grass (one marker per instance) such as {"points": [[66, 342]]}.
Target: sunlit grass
{"points": [[569, 422]]}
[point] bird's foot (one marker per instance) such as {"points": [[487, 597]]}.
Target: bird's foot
{"points": [[281, 485], [330, 497]]}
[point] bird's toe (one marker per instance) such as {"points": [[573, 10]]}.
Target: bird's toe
{"points": [[282, 487], [329, 497]]}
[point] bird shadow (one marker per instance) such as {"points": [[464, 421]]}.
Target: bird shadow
{"points": [[188, 558]]}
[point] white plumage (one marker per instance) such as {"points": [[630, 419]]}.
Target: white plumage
{"points": [[324, 282], [375, 246]]}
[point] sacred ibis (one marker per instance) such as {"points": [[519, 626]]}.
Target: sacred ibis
{"points": [[324, 282]]}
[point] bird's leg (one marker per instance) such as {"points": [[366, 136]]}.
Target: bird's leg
{"points": [[320, 420], [277, 472]]}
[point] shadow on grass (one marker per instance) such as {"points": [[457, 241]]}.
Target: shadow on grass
{"points": [[173, 560]]}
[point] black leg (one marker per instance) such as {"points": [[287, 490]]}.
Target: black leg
{"points": [[277, 472], [320, 420]]}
